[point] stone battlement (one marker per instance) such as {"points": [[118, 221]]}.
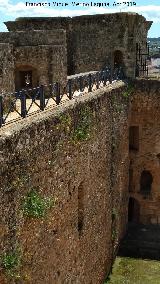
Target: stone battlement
{"points": [[50, 49], [24, 23]]}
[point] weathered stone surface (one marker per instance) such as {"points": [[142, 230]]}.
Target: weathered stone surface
{"points": [[57, 47], [41, 52], [43, 153], [6, 68], [145, 115]]}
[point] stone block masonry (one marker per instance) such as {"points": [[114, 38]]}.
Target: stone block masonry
{"points": [[50, 49], [144, 153], [63, 191], [40, 54]]}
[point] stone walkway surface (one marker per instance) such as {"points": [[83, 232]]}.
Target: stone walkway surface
{"points": [[14, 116]]}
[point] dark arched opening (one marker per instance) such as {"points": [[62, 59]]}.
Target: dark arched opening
{"points": [[118, 65], [133, 210], [25, 76], [118, 59], [146, 182], [134, 138]]}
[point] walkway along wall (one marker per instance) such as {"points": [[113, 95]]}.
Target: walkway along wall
{"points": [[63, 196]]}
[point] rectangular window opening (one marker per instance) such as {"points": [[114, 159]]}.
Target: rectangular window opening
{"points": [[130, 180], [80, 209], [134, 138]]}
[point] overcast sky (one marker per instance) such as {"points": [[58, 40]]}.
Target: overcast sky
{"points": [[11, 9]]}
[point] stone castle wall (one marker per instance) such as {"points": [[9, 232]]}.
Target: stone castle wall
{"points": [[92, 40], [145, 116], [95, 39], [43, 52], [6, 68], [75, 158]]}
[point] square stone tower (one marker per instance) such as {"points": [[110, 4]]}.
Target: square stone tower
{"points": [[46, 50]]}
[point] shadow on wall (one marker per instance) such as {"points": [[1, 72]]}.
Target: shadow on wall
{"points": [[133, 210], [118, 59], [146, 182], [115, 62]]}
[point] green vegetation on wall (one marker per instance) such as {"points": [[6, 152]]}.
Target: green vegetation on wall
{"points": [[76, 131], [83, 127], [114, 214], [11, 262], [128, 91], [65, 123], [36, 206]]}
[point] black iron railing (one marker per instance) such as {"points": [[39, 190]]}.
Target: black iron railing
{"points": [[142, 60], [22, 103]]}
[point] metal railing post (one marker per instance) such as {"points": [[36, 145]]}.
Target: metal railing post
{"points": [[90, 83], [111, 75], [1, 111], [105, 78], [23, 104], [97, 80], [81, 84], [42, 98], [58, 98], [70, 88]]}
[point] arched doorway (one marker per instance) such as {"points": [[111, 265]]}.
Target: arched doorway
{"points": [[146, 182], [133, 210], [118, 65], [25, 76], [118, 59]]}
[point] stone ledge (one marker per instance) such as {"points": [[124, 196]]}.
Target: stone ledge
{"points": [[36, 118]]}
